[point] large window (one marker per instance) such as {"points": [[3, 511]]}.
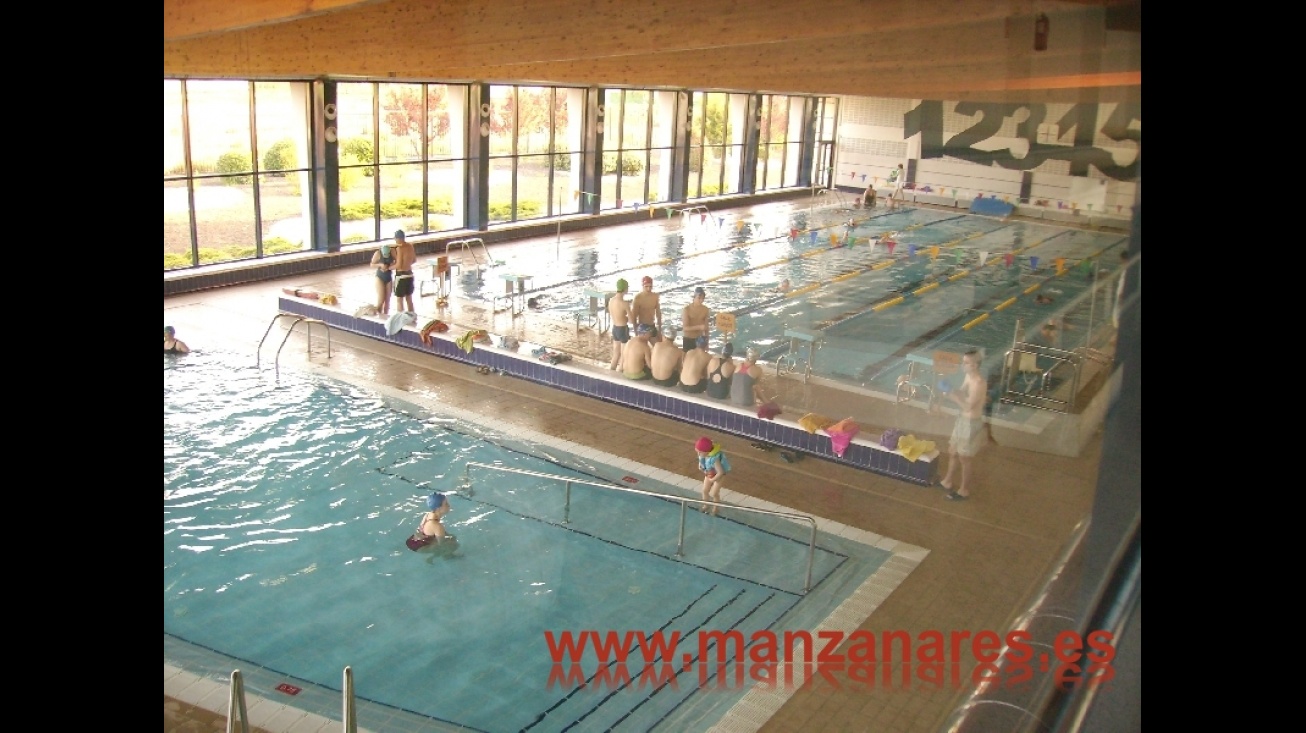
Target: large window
{"points": [[240, 180], [628, 123], [534, 144], [234, 170], [779, 143]]}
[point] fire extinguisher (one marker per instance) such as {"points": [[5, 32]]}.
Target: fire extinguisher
{"points": [[1041, 32]]}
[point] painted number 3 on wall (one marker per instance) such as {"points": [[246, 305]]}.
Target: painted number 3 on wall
{"points": [[927, 120]]}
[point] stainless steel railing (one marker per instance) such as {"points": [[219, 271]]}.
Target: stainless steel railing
{"points": [[298, 320], [683, 501]]}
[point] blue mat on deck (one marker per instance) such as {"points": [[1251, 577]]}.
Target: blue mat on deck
{"points": [[991, 207]]}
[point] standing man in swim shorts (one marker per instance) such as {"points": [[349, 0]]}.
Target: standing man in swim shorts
{"points": [[968, 431], [694, 320], [405, 258], [647, 307], [619, 311]]}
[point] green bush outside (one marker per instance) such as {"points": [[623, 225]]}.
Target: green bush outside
{"points": [[525, 210], [360, 150], [280, 157], [349, 176], [235, 162], [209, 255], [561, 158], [630, 163], [394, 209]]}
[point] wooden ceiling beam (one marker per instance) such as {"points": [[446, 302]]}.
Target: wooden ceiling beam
{"points": [[194, 18], [957, 49]]}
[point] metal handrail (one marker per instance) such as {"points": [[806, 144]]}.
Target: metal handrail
{"points": [[236, 702], [350, 714], [468, 245], [680, 542], [258, 357], [1011, 368]]}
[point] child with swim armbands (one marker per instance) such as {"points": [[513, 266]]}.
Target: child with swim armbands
{"points": [[713, 463]]}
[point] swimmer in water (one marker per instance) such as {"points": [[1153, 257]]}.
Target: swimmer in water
{"points": [[431, 530]]}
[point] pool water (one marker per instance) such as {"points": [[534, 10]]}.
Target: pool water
{"points": [[838, 290], [286, 507]]}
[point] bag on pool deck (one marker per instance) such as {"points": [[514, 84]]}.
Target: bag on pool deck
{"points": [[890, 438]]}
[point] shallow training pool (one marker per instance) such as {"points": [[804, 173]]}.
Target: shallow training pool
{"points": [[286, 507]]}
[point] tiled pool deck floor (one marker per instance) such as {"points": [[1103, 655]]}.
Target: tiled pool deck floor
{"points": [[987, 556]]}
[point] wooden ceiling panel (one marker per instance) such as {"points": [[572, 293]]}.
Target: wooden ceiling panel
{"points": [[954, 49]]}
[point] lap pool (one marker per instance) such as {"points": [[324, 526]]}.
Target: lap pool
{"points": [[286, 507]]}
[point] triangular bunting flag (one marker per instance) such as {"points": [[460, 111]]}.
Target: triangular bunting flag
{"points": [[1033, 262], [984, 257], [890, 244], [575, 194], [793, 234], [934, 252], [911, 250], [811, 236], [1008, 259], [1061, 265], [863, 178]]}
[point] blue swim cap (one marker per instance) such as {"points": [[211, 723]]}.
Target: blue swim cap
{"points": [[385, 250], [399, 234], [434, 501]]}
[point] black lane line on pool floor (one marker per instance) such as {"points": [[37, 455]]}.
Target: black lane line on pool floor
{"points": [[540, 717]]}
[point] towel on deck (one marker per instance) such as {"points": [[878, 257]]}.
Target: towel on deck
{"points": [[811, 422], [768, 410], [465, 341], [397, 322], [912, 448], [841, 434]]}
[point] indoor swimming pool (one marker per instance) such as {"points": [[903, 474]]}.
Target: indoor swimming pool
{"points": [[869, 291], [287, 503]]}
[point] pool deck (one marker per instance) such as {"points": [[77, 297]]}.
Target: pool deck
{"points": [[987, 556]]}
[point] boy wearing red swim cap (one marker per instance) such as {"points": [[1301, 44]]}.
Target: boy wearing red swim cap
{"points": [[647, 308], [714, 465]]}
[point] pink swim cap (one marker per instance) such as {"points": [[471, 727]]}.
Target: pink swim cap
{"points": [[704, 445]]}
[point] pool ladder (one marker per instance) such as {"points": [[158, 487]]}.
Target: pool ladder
{"points": [[238, 714], [803, 345], [469, 245], [298, 319]]}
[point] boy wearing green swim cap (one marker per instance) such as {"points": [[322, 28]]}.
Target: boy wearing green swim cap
{"points": [[619, 311]]}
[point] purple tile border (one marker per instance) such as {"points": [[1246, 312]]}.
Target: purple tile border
{"points": [[644, 395]]}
